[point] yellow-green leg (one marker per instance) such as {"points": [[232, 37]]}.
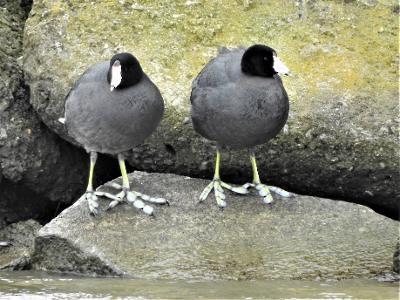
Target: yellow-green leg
{"points": [[127, 195], [217, 184], [89, 195], [263, 190]]}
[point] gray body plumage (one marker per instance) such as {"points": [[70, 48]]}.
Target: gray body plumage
{"points": [[235, 109], [111, 121]]}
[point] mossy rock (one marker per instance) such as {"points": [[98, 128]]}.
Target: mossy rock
{"points": [[341, 138], [39, 171]]}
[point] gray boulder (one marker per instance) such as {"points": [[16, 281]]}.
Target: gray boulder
{"points": [[16, 245], [342, 133], [39, 172], [294, 238]]}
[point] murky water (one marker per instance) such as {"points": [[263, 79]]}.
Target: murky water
{"points": [[29, 285]]}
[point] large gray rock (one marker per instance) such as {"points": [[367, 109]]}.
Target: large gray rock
{"points": [[294, 238], [342, 134], [39, 171]]}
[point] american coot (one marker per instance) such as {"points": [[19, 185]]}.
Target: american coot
{"points": [[239, 101], [111, 108]]}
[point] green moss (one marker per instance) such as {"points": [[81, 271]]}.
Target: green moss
{"points": [[338, 46], [344, 93]]}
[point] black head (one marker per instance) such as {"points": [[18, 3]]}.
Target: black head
{"points": [[259, 60], [125, 69]]}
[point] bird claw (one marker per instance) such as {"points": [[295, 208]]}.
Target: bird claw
{"points": [[147, 198], [161, 201], [219, 194], [107, 195], [264, 191], [93, 204], [113, 185], [218, 187], [139, 204], [221, 204], [132, 197], [4, 244], [112, 204], [281, 192], [267, 199], [248, 185], [240, 190], [204, 194], [147, 209]]}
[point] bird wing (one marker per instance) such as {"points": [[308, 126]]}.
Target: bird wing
{"points": [[221, 70]]}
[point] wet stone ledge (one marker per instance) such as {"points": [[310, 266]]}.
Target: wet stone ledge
{"points": [[294, 238]]}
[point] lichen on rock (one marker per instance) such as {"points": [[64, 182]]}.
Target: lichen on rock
{"points": [[342, 132], [39, 172]]}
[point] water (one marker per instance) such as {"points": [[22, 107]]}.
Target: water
{"points": [[33, 285]]}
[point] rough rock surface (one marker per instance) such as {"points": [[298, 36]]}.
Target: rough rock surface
{"points": [[17, 245], [294, 238], [341, 139], [38, 169], [396, 259]]}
